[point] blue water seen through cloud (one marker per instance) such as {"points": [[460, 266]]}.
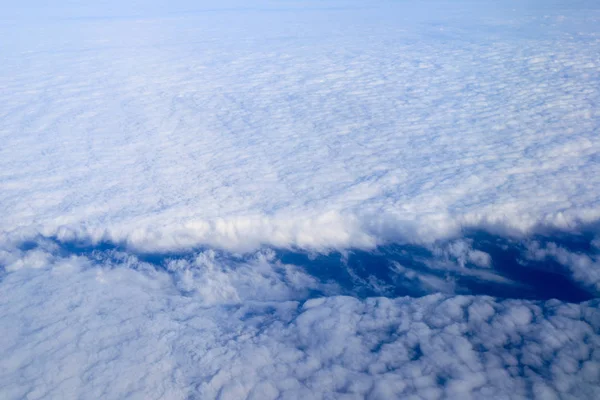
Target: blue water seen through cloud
{"points": [[362, 273]]}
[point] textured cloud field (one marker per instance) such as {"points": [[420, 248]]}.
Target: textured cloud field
{"points": [[285, 199]]}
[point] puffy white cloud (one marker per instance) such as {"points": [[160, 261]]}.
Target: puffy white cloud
{"points": [[105, 323], [157, 163], [173, 135], [82, 328]]}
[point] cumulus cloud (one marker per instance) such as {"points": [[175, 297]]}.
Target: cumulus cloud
{"points": [[105, 322], [237, 143], [203, 200], [83, 328]]}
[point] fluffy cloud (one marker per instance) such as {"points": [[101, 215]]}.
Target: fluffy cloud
{"points": [[105, 323], [204, 200], [175, 135], [85, 327]]}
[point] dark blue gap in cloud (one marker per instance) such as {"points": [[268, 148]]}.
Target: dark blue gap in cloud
{"points": [[363, 274], [371, 273]]}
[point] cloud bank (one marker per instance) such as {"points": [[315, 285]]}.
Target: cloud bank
{"points": [[112, 325], [286, 129], [304, 199]]}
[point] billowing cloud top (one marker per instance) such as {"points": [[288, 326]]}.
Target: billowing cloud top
{"points": [[329, 127], [106, 325]]}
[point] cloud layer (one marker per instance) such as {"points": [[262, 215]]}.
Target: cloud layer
{"points": [[306, 199], [91, 326], [316, 129]]}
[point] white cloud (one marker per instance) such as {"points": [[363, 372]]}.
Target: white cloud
{"points": [[184, 134], [104, 323], [308, 126], [584, 267], [136, 331]]}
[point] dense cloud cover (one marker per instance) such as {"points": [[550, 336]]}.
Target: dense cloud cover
{"points": [[328, 128], [332, 199], [109, 326]]}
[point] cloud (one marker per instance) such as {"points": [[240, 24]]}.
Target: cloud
{"points": [[311, 200], [105, 322], [241, 143], [83, 328], [584, 267]]}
